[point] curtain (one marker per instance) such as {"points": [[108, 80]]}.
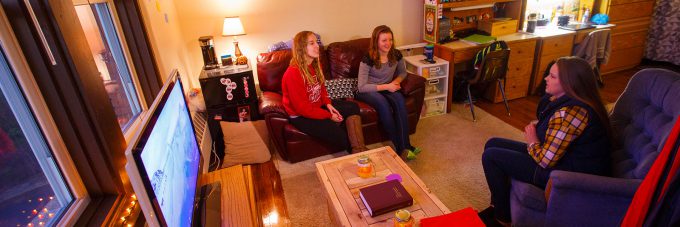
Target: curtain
{"points": [[663, 39]]}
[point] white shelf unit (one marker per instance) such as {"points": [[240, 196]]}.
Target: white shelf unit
{"points": [[436, 86]]}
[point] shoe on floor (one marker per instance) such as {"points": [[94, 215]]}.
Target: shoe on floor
{"points": [[416, 150], [407, 155]]}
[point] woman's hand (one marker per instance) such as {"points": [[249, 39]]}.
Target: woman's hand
{"points": [[530, 133], [392, 87], [336, 117], [335, 114]]}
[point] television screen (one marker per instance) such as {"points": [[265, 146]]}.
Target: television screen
{"points": [[167, 158]]}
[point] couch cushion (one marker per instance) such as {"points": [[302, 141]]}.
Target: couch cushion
{"points": [[270, 69], [528, 195], [641, 120], [368, 114], [344, 57]]}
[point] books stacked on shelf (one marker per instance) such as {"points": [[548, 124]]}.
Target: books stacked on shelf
{"points": [[385, 197], [479, 39]]}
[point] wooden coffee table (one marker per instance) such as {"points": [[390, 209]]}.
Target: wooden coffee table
{"points": [[342, 184]]}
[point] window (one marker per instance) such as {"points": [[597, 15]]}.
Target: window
{"points": [[33, 191], [76, 123], [110, 58]]}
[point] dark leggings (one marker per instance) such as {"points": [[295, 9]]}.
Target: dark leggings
{"points": [[504, 159], [327, 130]]}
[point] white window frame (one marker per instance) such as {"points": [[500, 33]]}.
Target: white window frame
{"points": [[129, 132], [36, 102]]}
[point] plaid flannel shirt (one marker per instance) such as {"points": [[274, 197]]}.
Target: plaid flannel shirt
{"points": [[564, 126]]}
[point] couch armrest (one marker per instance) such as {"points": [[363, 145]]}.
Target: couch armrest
{"points": [[276, 118], [412, 84], [272, 103], [578, 198]]}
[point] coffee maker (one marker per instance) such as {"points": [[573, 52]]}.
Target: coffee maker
{"points": [[208, 52]]}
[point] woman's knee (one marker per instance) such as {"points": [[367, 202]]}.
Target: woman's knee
{"points": [[493, 142]]}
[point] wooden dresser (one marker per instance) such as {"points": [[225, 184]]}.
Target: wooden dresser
{"points": [[632, 19], [522, 48]]}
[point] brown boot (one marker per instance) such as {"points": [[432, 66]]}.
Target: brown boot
{"points": [[355, 133]]}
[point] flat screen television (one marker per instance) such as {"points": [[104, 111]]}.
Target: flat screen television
{"points": [[164, 158]]}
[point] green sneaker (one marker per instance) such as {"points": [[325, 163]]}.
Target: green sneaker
{"points": [[416, 150], [410, 155]]}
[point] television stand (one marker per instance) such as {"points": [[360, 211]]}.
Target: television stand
{"points": [[209, 209], [237, 204]]}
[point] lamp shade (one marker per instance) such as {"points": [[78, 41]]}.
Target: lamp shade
{"points": [[232, 27]]}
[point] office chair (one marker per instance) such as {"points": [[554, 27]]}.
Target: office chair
{"points": [[494, 67], [595, 49]]}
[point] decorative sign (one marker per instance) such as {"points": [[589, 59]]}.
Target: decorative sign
{"points": [[429, 21]]}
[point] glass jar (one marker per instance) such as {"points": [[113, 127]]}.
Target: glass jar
{"points": [[365, 165], [402, 218]]}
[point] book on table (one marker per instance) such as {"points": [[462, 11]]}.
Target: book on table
{"points": [[479, 39], [385, 197]]}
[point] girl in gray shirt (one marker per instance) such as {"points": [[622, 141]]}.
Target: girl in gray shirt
{"points": [[380, 74]]}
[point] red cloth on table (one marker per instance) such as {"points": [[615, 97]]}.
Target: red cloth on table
{"points": [[464, 217]]}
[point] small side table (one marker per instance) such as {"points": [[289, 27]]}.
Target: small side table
{"points": [[230, 95], [437, 95]]}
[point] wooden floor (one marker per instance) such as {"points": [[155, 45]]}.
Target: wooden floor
{"points": [[271, 203]]}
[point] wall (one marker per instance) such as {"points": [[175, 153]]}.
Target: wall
{"points": [[270, 21], [165, 34]]}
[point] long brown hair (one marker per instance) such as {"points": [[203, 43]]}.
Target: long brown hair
{"points": [[373, 51], [299, 52], [578, 82]]}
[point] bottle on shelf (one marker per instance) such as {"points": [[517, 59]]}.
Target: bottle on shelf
{"points": [[586, 16]]}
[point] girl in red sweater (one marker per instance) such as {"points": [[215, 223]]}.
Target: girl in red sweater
{"points": [[306, 100]]}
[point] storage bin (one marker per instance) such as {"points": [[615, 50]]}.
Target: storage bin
{"points": [[433, 107], [427, 70], [435, 87]]}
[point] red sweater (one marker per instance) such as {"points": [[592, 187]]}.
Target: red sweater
{"points": [[301, 99]]}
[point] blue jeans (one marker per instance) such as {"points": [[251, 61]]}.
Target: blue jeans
{"points": [[392, 115], [504, 159]]}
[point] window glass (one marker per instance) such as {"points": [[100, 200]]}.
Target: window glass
{"points": [[33, 191], [102, 37]]}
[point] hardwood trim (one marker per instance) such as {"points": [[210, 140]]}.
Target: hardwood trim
{"points": [[139, 48], [25, 79], [74, 94]]}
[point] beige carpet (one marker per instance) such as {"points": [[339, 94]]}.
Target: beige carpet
{"points": [[450, 165]]}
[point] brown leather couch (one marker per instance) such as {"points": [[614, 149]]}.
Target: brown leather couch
{"points": [[339, 60]]}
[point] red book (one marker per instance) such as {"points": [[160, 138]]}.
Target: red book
{"points": [[385, 197]]}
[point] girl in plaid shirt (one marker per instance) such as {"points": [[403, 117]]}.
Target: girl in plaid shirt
{"points": [[572, 133]]}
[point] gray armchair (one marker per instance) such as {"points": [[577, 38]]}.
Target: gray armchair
{"points": [[641, 120]]}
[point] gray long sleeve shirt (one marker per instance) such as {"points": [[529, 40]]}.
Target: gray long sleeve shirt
{"points": [[370, 77]]}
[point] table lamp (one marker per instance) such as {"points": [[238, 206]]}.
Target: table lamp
{"points": [[234, 27]]}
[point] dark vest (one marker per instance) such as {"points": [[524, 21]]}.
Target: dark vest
{"points": [[589, 152]]}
